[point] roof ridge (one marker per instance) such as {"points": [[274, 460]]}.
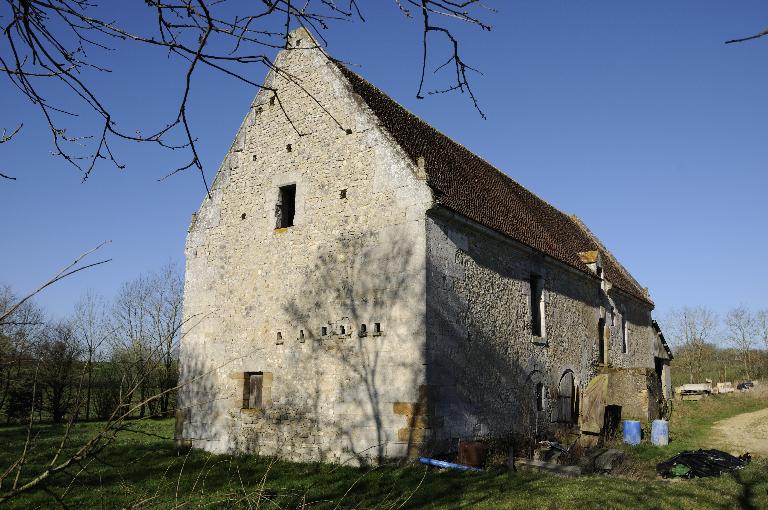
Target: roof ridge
{"points": [[342, 65], [509, 207]]}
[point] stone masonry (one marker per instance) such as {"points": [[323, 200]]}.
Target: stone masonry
{"points": [[379, 324]]}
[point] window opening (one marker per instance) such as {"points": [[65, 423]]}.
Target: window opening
{"points": [[539, 396], [624, 334], [566, 401], [537, 305], [256, 390], [285, 209], [601, 347]]}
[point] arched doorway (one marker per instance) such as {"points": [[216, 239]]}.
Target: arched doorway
{"points": [[567, 408]]}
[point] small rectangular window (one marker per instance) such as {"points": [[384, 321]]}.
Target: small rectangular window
{"points": [[257, 391], [537, 305], [285, 209], [377, 328]]}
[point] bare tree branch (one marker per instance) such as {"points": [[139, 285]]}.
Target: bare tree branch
{"points": [[750, 38], [64, 273], [62, 42]]}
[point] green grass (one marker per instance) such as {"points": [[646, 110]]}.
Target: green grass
{"points": [[143, 469], [690, 424]]}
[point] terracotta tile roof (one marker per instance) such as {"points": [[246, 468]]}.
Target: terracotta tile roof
{"points": [[460, 178]]}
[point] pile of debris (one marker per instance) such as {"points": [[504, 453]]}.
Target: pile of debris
{"points": [[701, 463], [549, 455]]}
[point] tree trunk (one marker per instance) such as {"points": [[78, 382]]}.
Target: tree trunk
{"points": [[88, 389]]}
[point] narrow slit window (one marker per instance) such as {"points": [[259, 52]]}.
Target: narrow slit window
{"points": [[540, 397], [537, 305], [624, 334], [602, 348], [285, 209]]}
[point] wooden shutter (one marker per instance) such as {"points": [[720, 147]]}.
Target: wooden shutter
{"points": [[254, 391]]}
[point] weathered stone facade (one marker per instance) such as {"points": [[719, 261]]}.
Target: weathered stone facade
{"points": [[378, 322]]}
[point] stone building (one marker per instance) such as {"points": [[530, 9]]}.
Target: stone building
{"points": [[359, 286]]}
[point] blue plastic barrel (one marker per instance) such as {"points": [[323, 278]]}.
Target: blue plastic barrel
{"points": [[660, 432], [631, 432]]}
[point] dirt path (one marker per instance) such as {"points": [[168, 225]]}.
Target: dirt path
{"points": [[746, 432]]}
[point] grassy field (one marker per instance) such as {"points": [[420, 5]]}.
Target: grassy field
{"points": [[142, 469]]}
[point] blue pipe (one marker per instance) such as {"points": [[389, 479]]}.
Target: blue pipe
{"points": [[446, 465]]}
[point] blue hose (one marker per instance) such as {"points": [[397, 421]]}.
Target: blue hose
{"points": [[446, 465]]}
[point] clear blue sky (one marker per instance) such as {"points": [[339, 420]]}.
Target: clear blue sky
{"points": [[633, 115]]}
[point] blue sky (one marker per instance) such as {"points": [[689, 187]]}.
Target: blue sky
{"points": [[633, 115]]}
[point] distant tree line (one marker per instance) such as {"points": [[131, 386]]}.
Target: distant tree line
{"points": [[707, 346], [104, 358]]}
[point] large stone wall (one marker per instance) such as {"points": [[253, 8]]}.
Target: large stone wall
{"points": [[483, 361], [352, 258], [455, 357]]}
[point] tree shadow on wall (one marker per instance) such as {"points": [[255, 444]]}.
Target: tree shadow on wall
{"points": [[360, 311]]}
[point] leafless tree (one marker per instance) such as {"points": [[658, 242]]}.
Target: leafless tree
{"points": [[53, 51], [19, 333], [92, 330], [761, 316], [691, 329], [742, 334], [146, 318], [165, 312], [131, 341], [58, 370]]}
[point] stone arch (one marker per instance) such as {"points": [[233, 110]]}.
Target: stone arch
{"points": [[533, 404], [536, 390], [567, 401]]}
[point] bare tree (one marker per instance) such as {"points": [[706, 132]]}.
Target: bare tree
{"points": [[146, 318], [92, 330], [19, 333], [165, 303], [691, 329], [58, 370], [742, 334], [53, 52], [131, 340], [762, 327]]}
